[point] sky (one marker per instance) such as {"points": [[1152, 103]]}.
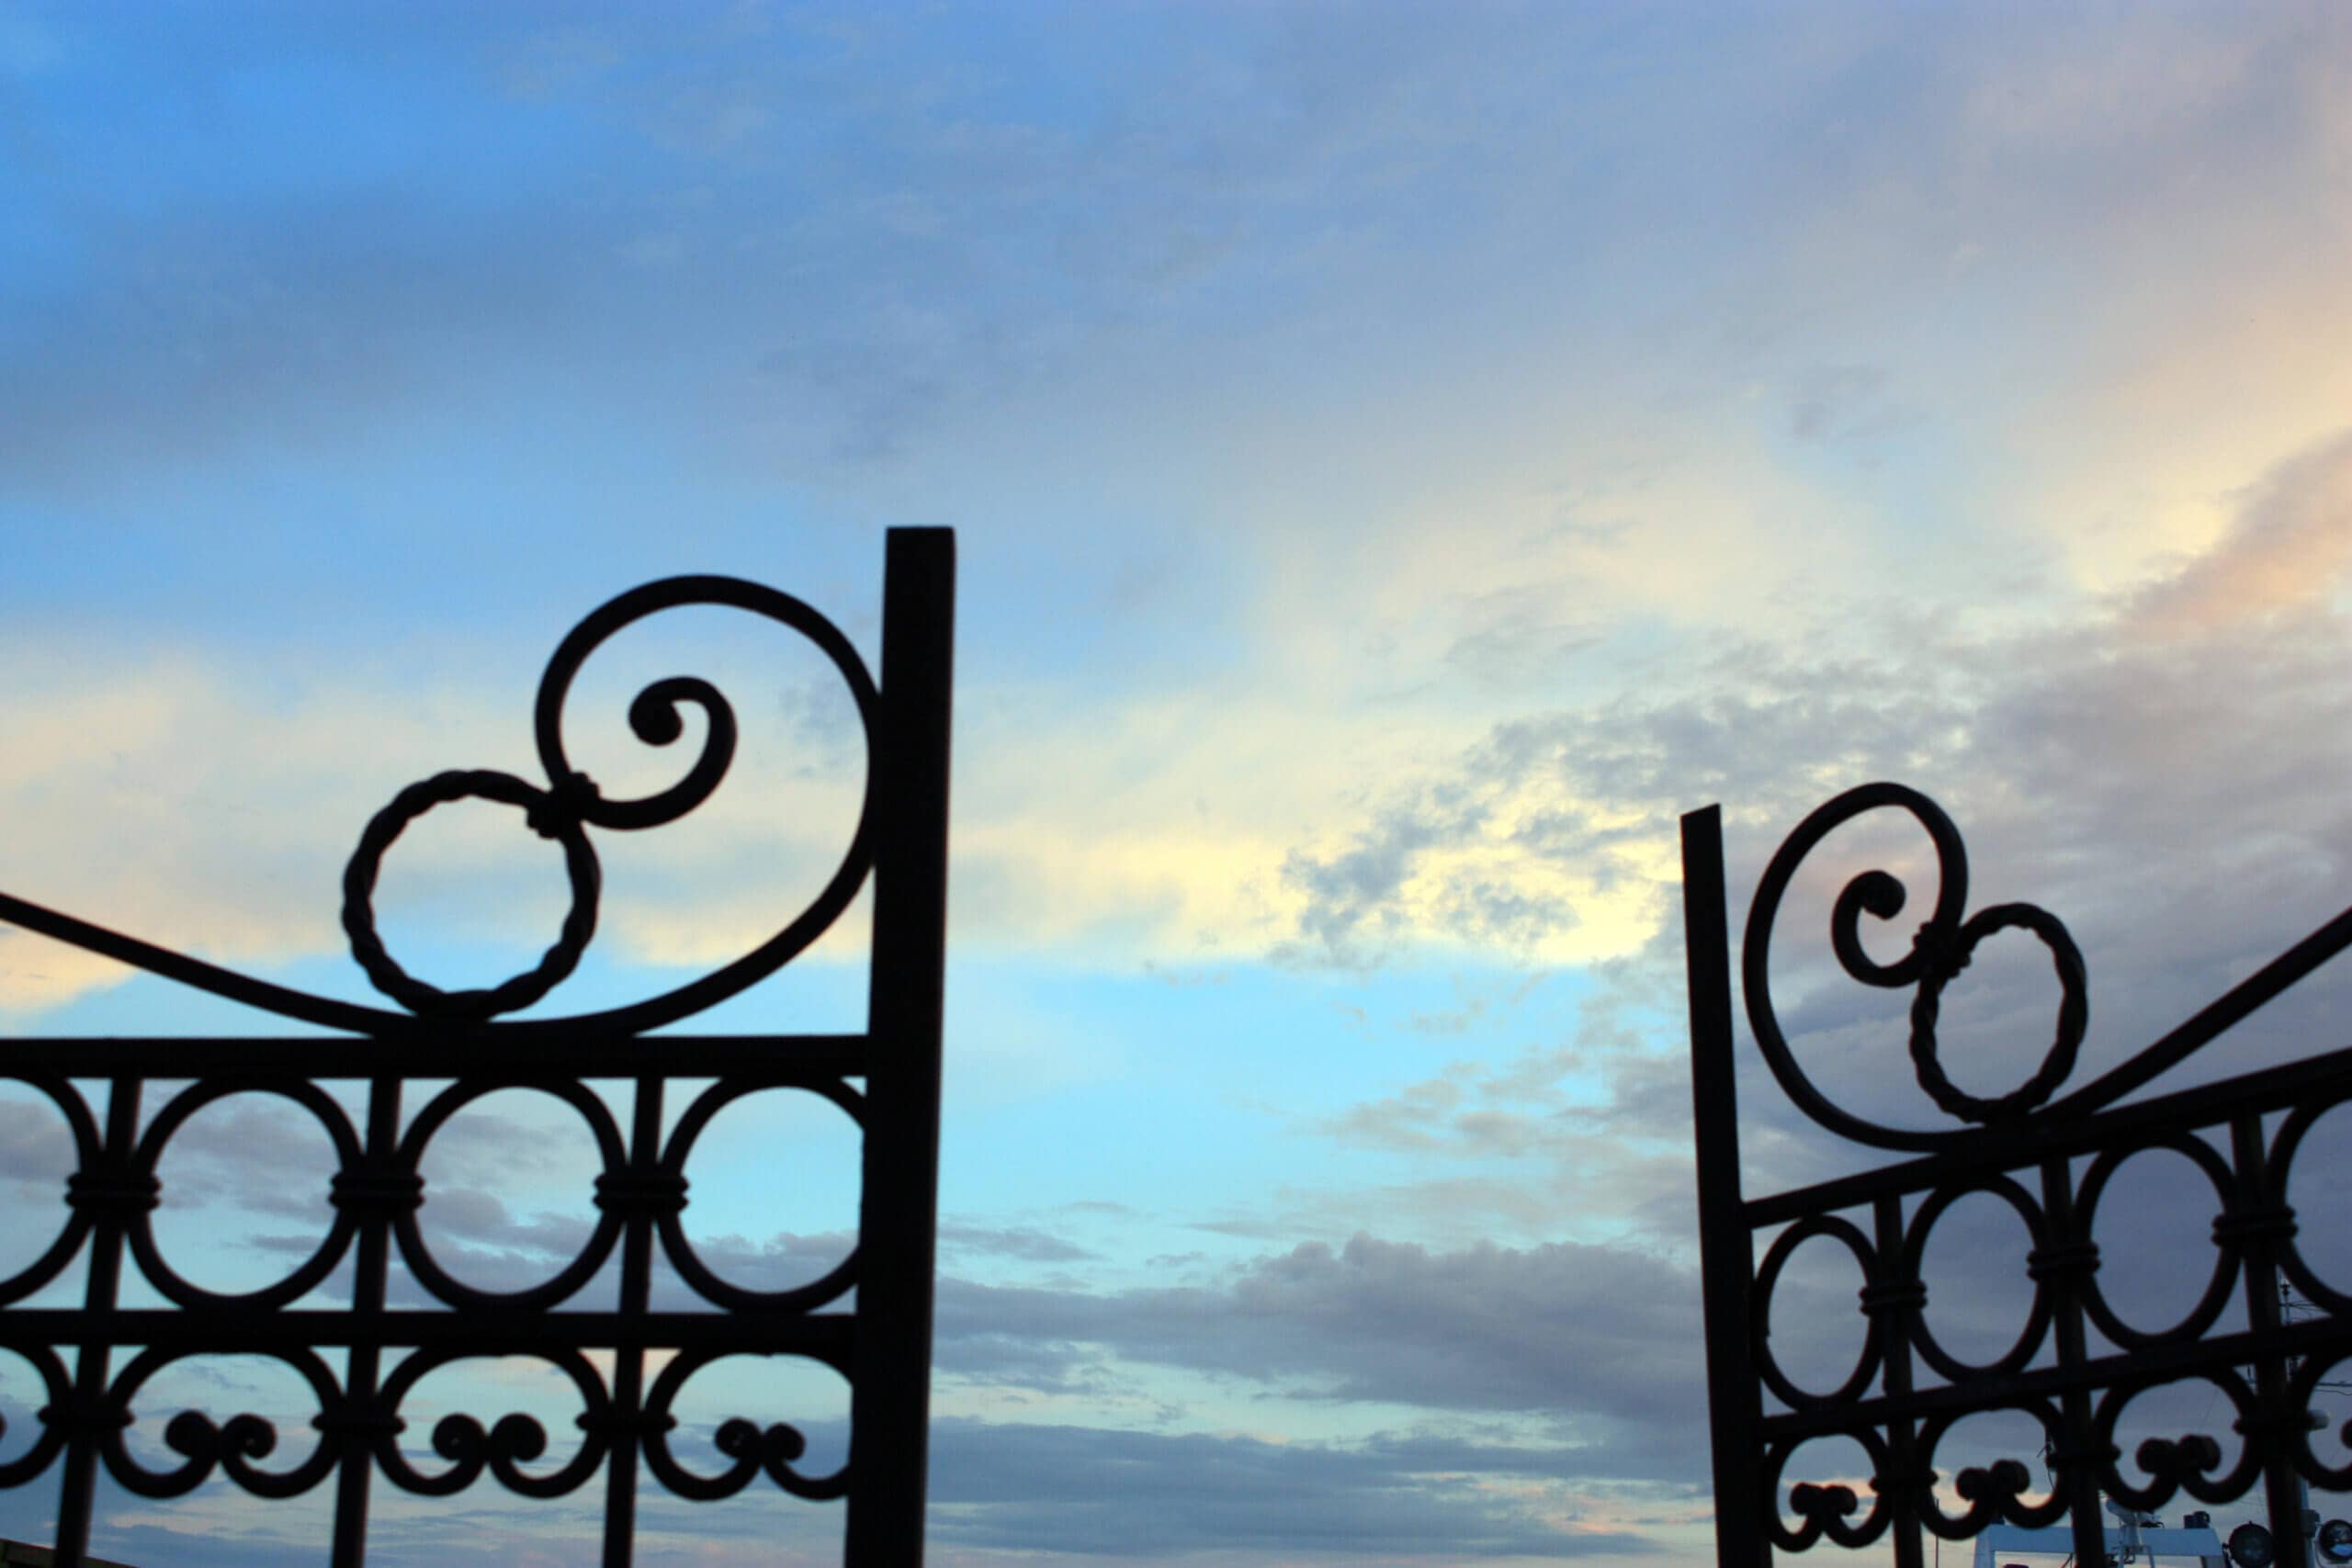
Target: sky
{"points": [[1401, 458]]}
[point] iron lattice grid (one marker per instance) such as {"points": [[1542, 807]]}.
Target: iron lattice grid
{"points": [[2050, 1161], [886, 1079]]}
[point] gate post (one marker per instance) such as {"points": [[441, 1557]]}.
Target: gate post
{"points": [[1726, 1256], [569, 1320], [891, 1401]]}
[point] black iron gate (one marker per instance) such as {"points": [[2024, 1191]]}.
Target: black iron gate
{"points": [[2050, 1160], [881, 1344]]}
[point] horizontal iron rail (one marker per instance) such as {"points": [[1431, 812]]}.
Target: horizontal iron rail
{"points": [[830, 1334], [453, 1054], [2142, 1368], [2006, 1149]]}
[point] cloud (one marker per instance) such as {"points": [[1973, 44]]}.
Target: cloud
{"points": [[201, 331], [1594, 1336], [2290, 546], [1128, 1494], [2076, 746], [1021, 1243], [136, 802], [1841, 403], [36, 1148], [2176, 799]]}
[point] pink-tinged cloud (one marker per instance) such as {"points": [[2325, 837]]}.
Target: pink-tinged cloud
{"points": [[2289, 546]]}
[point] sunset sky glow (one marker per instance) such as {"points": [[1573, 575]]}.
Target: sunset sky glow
{"points": [[1402, 457]]}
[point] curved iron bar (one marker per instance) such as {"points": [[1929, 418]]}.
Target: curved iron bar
{"points": [[1939, 950], [680, 1252], [2054, 1154], [58, 1385], [1994, 1493], [2279, 1166], [568, 1280], [140, 1232], [1826, 1509], [458, 1047], [508, 1443], [232, 1446], [546, 818], [570, 802], [2208, 1308], [2185, 1464], [750, 1448], [1915, 1252], [2308, 1377], [1768, 1279], [83, 1128]]}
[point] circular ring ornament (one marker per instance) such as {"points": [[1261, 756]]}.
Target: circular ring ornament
{"points": [[1768, 1278], [2279, 1168], [553, 813], [407, 1224], [1957, 1368], [342, 1138], [88, 1152], [1939, 950], [679, 1248], [2218, 1285], [2074, 1013]]}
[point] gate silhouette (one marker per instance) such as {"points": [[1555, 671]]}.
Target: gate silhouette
{"points": [[881, 1344], [2023, 1149]]}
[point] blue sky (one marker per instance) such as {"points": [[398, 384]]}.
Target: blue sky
{"points": [[1401, 458]]}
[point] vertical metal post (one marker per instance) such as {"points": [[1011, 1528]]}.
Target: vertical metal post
{"points": [[78, 1490], [381, 1155], [2080, 1478], [1896, 1305], [629, 1358], [2258, 1222], [1726, 1251], [890, 1396]]}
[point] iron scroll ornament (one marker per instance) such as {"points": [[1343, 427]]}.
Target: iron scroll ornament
{"points": [[561, 811], [652, 1191], [1939, 950], [2080, 1360], [597, 1323]]}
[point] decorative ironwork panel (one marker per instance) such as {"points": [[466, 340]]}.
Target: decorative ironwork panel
{"points": [[628, 1362], [2049, 1155]]}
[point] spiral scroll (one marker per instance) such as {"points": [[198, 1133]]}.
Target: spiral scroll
{"points": [[1939, 951], [370, 1313], [505, 1450], [562, 810], [750, 1448]]}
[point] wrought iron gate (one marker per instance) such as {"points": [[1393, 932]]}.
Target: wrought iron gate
{"points": [[881, 1345], [2048, 1159]]}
